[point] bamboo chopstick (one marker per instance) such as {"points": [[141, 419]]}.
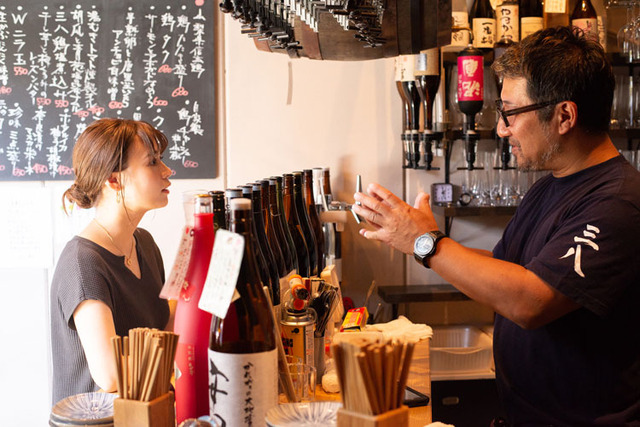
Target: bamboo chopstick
{"points": [[144, 363], [380, 368]]}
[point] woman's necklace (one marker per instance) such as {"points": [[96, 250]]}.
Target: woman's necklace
{"points": [[127, 259]]}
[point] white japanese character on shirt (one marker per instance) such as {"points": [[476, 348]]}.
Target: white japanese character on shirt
{"points": [[590, 233]]}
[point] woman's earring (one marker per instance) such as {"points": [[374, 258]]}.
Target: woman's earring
{"points": [[118, 197]]}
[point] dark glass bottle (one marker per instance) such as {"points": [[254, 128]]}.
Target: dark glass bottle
{"points": [[403, 72], [256, 200], [483, 24], [314, 219], [242, 352], [531, 17], [270, 231], [279, 223], [584, 17], [229, 194], [303, 219], [294, 226], [263, 265], [507, 20], [427, 76], [219, 210]]}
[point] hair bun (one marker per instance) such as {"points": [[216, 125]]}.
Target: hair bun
{"points": [[76, 195]]}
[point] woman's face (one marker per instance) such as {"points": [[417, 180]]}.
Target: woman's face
{"points": [[145, 180]]}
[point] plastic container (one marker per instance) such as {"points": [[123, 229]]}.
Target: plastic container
{"points": [[460, 350]]}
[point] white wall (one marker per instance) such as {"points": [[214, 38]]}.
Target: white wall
{"points": [[279, 115]]}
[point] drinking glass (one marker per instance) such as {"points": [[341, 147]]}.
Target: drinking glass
{"points": [[303, 379], [625, 35], [620, 106]]}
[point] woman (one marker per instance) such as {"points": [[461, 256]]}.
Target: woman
{"points": [[109, 276]]}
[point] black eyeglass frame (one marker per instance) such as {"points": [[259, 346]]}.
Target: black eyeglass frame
{"points": [[533, 107]]}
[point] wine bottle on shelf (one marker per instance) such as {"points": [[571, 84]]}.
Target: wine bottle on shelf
{"points": [[269, 272], [507, 20], [402, 72], [531, 17], [314, 220], [336, 248], [191, 323], [483, 24], [242, 353], [229, 194], [279, 224], [270, 231], [263, 270], [405, 83], [295, 228], [556, 13], [303, 219], [258, 218], [500, 47], [219, 210], [427, 79], [460, 27], [285, 226], [584, 17], [601, 11]]}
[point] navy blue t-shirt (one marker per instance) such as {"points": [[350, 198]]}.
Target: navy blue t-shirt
{"points": [[580, 234]]}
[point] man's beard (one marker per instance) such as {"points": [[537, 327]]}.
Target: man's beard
{"points": [[541, 162]]}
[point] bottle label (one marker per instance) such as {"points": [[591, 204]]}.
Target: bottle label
{"points": [[484, 32], [529, 25], [404, 68], [242, 387], [219, 289], [555, 6], [470, 78], [508, 23], [460, 29], [173, 285], [428, 63], [588, 25], [602, 33]]}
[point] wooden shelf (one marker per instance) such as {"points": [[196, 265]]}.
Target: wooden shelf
{"points": [[453, 211]]}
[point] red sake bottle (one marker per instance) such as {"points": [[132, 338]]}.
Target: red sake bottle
{"points": [[193, 324]]}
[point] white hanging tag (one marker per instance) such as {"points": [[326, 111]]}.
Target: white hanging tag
{"points": [[220, 286], [172, 286]]}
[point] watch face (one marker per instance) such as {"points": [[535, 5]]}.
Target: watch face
{"points": [[424, 244]]}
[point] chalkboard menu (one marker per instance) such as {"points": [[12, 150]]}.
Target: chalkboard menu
{"points": [[66, 63]]}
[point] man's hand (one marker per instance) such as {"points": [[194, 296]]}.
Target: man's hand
{"points": [[394, 222]]}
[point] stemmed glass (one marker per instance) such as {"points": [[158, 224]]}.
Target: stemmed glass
{"points": [[626, 35]]}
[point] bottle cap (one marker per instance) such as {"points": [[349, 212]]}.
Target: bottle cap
{"points": [[240, 204]]}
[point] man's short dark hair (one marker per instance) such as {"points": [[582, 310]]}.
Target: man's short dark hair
{"points": [[560, 63]]}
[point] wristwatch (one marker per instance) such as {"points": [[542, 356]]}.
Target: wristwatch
{"points": [[425, 246]]}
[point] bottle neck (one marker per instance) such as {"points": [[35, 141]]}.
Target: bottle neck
{"points": [[240, 222]]}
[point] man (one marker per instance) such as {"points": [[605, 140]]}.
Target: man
{"points": [[564, 280]]}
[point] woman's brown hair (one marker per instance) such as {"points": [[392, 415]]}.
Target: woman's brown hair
{"points": [[103, 149]]}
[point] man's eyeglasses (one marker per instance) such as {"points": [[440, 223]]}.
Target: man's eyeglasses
{"points": [[504, 114]]}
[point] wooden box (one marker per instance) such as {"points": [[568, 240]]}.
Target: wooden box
{"points": [[160, 412], [395, 418]]}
